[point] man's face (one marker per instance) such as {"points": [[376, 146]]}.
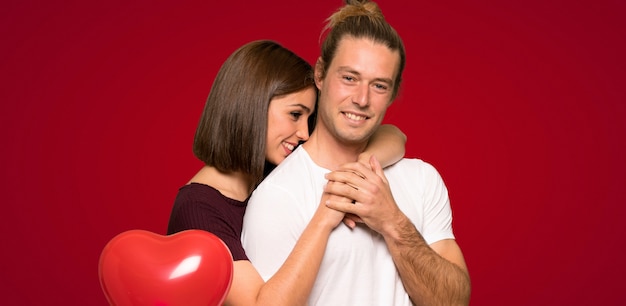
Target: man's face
{"points": [[357, 89]]}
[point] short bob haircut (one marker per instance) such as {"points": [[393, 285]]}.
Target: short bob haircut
{"points": [[231, 134]]}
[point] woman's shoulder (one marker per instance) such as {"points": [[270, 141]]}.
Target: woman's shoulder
{"points": [[205, 197]]}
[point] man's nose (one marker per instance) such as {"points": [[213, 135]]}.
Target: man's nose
{"points": [[361, 95]]}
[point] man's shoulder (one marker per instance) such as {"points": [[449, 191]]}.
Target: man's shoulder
{"points": [[294, 177], [412, 168], [295, 168], [411, 164]]}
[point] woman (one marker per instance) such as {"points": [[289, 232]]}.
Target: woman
{"points": [[256, 113]]}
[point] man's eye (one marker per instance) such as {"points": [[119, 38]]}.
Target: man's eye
{"points": [[381, 87], [348, 78]]}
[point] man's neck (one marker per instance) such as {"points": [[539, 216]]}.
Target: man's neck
{"points": [[327, 152]]}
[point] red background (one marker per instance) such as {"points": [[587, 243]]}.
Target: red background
{"points": [[519, 104]]}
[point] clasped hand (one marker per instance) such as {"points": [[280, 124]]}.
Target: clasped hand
{"points": [[362, 192]]}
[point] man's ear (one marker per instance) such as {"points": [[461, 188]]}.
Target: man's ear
{"points": [[319, 72]]}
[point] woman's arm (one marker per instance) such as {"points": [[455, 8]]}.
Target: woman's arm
{"points": [[387, 145], [292, 283]]}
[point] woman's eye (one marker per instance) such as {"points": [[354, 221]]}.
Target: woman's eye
{"points": [[296, 115]]}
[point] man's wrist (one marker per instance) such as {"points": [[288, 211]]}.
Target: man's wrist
{"points": [[401, 231]]}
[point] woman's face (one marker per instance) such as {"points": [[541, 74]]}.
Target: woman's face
{"points": [[287, 123]]}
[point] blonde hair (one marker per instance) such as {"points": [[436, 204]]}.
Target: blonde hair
{"points": [[354, 8], [360, 19]]}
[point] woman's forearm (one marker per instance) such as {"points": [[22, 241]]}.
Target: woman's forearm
{"points": [[387, 145]]}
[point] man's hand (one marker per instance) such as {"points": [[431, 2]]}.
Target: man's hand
{"points": [[367, 185], [430, 275]]}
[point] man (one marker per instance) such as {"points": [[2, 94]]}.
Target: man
{"points": [[404, 251]]}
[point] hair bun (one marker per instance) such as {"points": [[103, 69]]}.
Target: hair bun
{"points": [[356, 2], [355, 8]]}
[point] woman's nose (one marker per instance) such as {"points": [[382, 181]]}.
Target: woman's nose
{"points": [[303, 130]]}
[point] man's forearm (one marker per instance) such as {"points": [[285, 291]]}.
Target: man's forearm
{"points": [[429, 278]]}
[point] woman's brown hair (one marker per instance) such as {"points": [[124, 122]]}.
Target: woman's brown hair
{"points": [[231, 134]]}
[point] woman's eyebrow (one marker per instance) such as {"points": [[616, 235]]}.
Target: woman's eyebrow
{"points": [[306, 108]]}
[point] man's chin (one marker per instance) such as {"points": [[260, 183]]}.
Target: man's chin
{"points": [[355, 137]]}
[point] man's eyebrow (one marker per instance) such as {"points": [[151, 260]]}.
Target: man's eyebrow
{"points": [[348, 69]]}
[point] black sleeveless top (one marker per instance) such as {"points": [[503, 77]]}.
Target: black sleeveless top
{"points": [[199, 206]]}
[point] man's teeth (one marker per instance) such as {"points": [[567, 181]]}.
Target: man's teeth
{"points": [[289, 146], [354, 117]]}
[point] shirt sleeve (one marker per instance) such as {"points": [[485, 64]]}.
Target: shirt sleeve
{"points": [[437, 210]]}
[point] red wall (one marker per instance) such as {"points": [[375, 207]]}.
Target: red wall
{"points": [[520, 106]]}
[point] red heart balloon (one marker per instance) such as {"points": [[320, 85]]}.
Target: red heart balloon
{"points": [[191, 267]]}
